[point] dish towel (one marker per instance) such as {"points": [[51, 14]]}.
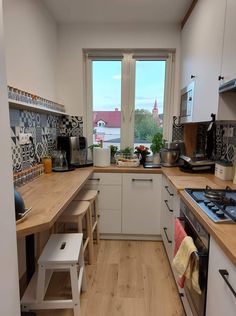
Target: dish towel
{"points": [[179, 235], [186, 263]]}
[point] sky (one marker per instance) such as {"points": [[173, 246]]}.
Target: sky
{"points": [[149, 85]]}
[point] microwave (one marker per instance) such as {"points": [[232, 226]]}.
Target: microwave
{"points": [[186, 103]]}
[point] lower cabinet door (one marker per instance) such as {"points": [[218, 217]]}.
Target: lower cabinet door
{"points": [[221, 288], [141, 195], [110, 221]]}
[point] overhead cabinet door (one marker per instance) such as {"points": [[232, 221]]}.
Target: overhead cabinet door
{"points": [[141, 204]]}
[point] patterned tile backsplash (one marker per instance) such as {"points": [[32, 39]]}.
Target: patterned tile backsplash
{"points": [[44, 129], [225, 138]]}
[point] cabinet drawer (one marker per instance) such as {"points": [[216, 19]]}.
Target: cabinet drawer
{"points": [[106, 179], [110, 197], [220, 299], [110, 221]]}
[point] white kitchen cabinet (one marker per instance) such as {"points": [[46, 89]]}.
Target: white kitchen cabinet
{"points": [[202, 42], [170, 208], [228, 70], [109, 198], [220, 299], [141, 200]]}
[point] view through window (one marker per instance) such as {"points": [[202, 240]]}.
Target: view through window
{"points": [[148, 104]]}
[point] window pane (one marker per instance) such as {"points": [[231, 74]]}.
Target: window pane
{"points": [[107, 102], [149, 100]]}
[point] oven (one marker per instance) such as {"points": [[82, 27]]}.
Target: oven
{"points": [[194, 229], [186, 103]]}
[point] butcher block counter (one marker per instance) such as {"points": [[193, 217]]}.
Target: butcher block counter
{"points": [[48, 196]]}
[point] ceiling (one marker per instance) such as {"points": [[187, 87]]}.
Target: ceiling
{"points": [[118, 11]]}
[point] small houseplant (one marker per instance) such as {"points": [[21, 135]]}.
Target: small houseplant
{"points": [[142, 151], [113, 152], [91, 148], [156, 146]]}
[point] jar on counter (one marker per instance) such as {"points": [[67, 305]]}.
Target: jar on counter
{"points": [[47, 162]]}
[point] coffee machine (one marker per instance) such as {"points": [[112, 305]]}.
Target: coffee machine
{"points": [[76, 150]]}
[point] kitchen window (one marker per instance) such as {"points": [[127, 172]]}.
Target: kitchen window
{"points": [[127, 96]]}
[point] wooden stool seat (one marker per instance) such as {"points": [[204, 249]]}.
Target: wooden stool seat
{"points": [[92, 197], [86, 195], [73, 210], [74, 213]]}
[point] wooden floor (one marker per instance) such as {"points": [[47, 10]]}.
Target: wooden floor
{"points": [[130, 278]]}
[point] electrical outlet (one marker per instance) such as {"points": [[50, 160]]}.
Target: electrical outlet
{"points": [[24, 138]]}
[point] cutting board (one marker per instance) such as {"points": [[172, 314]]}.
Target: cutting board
{"points": [[182, 182]]}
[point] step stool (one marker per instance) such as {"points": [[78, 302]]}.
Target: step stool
{"points": [[63, 252]]}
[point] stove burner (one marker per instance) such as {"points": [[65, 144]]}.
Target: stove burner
{"points": [[213, 194]]}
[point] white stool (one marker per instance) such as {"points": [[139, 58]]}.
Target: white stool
{"points": [[92, 197], [63, 252], [74, 213]]}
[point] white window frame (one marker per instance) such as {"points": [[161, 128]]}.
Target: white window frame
{"points": [[128, 89]]}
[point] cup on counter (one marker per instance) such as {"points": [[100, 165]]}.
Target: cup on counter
{"points": [[47, 162]]}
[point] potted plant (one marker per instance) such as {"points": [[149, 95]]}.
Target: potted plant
{"points": [[142, 151], [156, 146], [113, 152]]}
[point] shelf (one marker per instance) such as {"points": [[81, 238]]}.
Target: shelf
{"points": [[26, 106]]}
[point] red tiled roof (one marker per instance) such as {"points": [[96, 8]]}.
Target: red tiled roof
{"points": [[111, 118]]}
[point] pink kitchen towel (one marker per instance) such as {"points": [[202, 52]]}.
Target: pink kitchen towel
{"points": [[179, 235]]}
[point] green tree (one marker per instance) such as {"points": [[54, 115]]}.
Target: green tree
{"points": [[145, 126]]}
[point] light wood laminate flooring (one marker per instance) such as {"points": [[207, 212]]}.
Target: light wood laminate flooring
{"points": [[130, 278]]}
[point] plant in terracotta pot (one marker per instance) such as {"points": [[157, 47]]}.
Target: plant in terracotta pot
{"points": [[156, 146], [142, 151]]}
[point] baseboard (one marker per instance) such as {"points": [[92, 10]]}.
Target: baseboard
{"points": [[131, 237]]}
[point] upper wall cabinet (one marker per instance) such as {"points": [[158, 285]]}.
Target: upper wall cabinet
{"points": [[228, 70], [202, 42]]}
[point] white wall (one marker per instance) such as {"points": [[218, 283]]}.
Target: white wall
{"points": [[31, 46], [9, 289], [75, 37]]}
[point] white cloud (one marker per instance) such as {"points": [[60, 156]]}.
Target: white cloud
{"points": [[116, 77]]}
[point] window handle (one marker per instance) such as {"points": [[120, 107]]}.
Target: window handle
{"points": [[131, 114], [123, 115]]}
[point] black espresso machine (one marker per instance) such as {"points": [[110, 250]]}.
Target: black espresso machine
{"points": [[76, 150]]}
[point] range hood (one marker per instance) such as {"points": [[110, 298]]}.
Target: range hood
{"points": [[228, 86]]}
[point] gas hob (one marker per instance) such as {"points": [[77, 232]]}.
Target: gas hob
{"points": [[218, 204]]}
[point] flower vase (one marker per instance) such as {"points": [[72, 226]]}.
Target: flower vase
{"points": [[143, 159]]}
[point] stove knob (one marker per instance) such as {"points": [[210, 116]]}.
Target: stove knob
{"points": [[210, 205], [215, 209], [220, 214], [206, 202]]}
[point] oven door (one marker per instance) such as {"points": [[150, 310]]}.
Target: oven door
{"points": [[197, 301]]}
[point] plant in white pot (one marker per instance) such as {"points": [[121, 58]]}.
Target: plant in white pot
{"points": [[156, 146]]}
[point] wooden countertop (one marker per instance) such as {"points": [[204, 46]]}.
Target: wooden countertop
{"points": [[224, 234], [48, 196]]}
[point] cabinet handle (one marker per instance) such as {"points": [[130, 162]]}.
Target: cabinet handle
{"points": [[169, 209], [94, 179], [220, 78], [225, 274], [142, 180], [167, 189], [169, 241], [192, 77]]}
